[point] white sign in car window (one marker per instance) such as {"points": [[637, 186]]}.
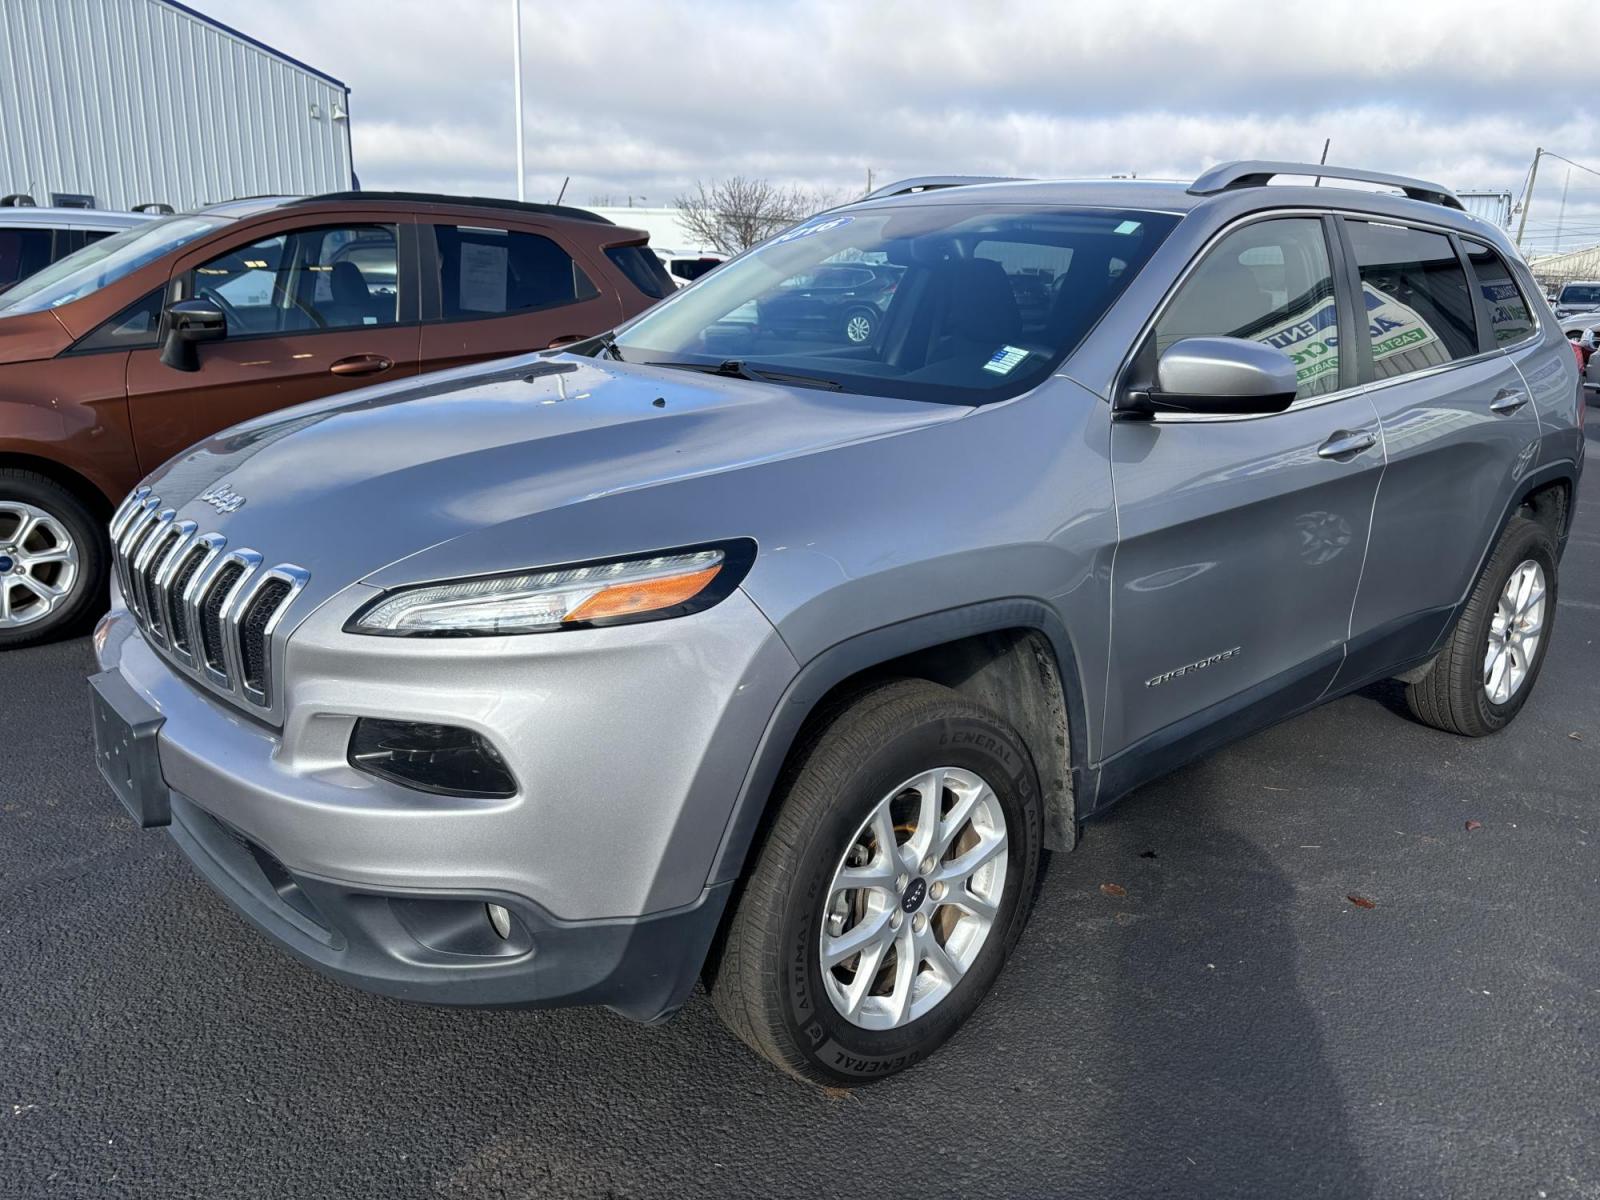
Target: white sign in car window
{"points": [[483, 277]]}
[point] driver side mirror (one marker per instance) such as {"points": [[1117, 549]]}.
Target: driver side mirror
{"points": [[1216, 376], [190, 322]]}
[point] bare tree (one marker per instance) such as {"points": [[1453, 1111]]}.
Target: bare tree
{"points": [[731, 214]]}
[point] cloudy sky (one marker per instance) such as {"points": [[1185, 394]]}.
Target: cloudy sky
{"points": [[641, 97]]}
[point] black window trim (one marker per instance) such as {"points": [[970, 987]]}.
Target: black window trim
{"points": [[429, 265]]}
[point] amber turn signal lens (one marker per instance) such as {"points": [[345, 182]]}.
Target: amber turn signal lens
{"points": [[649, 595]]}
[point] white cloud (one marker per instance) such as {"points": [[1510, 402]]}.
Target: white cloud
{"points": [[643, 96]]}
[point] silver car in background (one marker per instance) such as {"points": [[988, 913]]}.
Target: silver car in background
{"points": [[705, 649], [31, 237]]}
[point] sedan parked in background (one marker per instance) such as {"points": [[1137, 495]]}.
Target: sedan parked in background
{"points": [[123, 354], [32, 238]]}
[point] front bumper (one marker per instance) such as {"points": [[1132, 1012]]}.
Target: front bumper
{"points": [[438, 948], [628, 744]]}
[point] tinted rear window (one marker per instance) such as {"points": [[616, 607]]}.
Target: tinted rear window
{"points": [[643, 269], [22, 252]]}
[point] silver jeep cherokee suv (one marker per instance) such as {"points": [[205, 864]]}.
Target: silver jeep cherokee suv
{"points": [[768, 657]]}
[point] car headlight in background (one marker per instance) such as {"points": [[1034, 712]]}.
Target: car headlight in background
{"points": [[644, 588]]}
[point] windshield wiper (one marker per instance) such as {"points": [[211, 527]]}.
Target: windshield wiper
{"points": [[736, 369]]}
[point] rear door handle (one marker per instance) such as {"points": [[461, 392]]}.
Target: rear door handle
{"points": [[1347, 443], [361, 364], [1508, 400]]}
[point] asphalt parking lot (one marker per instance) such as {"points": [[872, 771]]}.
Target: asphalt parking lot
{"points": [[1233, 1024]]}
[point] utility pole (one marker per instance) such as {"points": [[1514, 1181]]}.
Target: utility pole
{"points": [[1561, 213], [1527, 196], [516, 52], [868, 192]]}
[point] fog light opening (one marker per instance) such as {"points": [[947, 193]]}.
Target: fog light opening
{"points": [[500, 919]]}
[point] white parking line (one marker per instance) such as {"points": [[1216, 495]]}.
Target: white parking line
{"points": [[1585, 604]]}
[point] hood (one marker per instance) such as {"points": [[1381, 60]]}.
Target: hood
{"points": [[27, 337], [345, 486]]}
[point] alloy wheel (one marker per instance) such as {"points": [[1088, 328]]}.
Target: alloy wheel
{"points": [[914, 898], [38, 564], [858, 328], [1515, 632]]}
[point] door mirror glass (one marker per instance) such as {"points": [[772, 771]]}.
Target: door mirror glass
{"points": [[190, 322], [1218, 375]]}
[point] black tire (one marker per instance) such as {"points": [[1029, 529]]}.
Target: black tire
{"points": [[1451, 694], [87, 593], [765, 977], [870, 316]]}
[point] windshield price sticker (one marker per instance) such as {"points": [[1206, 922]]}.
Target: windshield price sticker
{"points": [[1005, 360]]}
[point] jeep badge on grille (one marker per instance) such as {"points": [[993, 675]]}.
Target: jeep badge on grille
{"points": [[222, 498]]}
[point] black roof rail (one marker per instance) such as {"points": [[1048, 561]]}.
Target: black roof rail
{"points": [[547, 210], [1248, 173], [929, 183], [17, 200], [154, 206]]}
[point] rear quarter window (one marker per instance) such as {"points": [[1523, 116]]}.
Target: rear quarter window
{"points": [[1510, 315]]}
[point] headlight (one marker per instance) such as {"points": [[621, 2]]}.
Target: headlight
{"points": [[671, 584]]}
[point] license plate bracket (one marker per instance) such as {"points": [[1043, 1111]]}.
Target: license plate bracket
{"points": [[125, 729]]}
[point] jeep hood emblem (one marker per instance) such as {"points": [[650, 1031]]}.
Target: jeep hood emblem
{"points": [[222, 498]]}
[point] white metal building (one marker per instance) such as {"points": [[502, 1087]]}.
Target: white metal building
{"points": [[115, 103], [664, 225]]}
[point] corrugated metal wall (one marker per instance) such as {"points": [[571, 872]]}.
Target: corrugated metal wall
{"points": [[1494, 207], [139, 100]]}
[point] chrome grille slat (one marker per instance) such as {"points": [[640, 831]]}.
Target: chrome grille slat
{"points": [[212, 610]]}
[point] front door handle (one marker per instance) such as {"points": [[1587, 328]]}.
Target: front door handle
{"points": [[361, 364], [1347, 443], [1508, 400]]}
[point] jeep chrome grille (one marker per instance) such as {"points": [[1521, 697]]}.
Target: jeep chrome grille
{"points": [[209, 609]]}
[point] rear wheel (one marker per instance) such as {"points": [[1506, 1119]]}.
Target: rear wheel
{"points": [[52, 561], [893, 885], [1485, 673]]}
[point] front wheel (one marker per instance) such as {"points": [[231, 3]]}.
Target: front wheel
{"points": [[894, 883], [52, 559]]}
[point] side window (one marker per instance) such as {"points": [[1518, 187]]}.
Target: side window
{"points": [[1419, 311], [134, 328], [22, 252], [1269, 281], [1510, 317], [491, 272], [306, 280]]}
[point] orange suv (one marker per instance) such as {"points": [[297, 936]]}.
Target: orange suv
{"points": [[120, 355]]}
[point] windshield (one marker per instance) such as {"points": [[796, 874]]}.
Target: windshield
{"points": [[102, 263], [959, 303], [1587, 294]]}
